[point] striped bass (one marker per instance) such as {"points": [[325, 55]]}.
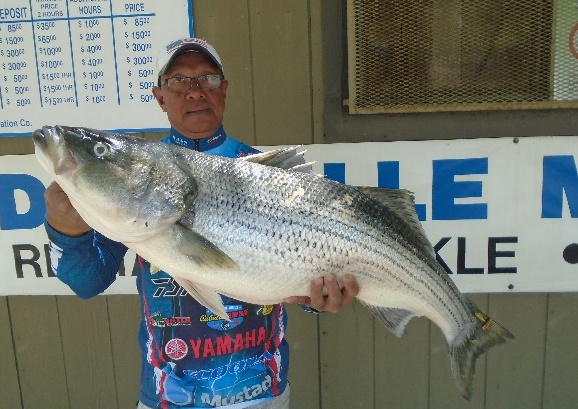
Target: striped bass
{"points": [[259, 229]]}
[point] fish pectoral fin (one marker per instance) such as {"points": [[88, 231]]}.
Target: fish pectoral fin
{"points": [[283, 158], [205, 296], [395, 319], [199, 250]]}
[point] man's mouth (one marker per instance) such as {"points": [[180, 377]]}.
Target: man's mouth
{"points": [[197, 110]]}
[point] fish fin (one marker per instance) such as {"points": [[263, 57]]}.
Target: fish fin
{"points": [[401, 202], [283, 158], [463, 356], [205, 296], [395, 319], [200, 250]]}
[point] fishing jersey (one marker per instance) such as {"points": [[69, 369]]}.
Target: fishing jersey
{"points": [[190, 356]]}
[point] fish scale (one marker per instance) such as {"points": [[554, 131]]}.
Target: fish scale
{"points": [[260, 220], [260, 228]]}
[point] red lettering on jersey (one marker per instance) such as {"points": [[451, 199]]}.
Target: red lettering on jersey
{"points": [[209, 348]]}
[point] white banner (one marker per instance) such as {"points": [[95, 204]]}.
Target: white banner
{"points": [[501, 213], [91, 61]]}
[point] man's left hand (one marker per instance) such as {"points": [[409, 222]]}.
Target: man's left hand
{"points": [[333, 298]]}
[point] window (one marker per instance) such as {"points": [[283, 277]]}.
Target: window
{"points": [[456, 55]]}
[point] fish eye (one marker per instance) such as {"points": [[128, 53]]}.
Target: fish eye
{"points": [[100, 149]]}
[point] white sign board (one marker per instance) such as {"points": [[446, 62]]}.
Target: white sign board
{"points": [[501, 213], [91, 61]]}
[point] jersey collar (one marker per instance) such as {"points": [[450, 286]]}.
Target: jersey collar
{"points": [[201, 144]]}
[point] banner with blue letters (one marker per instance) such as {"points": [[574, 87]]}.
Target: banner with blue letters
{"points": [[501, 213]]}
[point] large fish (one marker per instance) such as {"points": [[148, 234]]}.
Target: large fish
{"points": [[260, 233]]}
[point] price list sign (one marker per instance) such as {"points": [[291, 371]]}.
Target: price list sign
{"points": [[84, 62]]}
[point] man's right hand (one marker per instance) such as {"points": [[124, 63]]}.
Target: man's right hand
{"points": [[60, 214]]}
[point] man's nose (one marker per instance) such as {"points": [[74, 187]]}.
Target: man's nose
{"points": [[195, 91]]}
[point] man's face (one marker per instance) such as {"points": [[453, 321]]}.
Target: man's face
{"points": [[196, 113]]}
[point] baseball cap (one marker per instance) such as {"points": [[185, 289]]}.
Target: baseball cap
{"points": [[185, 45]]}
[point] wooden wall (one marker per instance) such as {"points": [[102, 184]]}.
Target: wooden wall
{"points": [[63, 352]]}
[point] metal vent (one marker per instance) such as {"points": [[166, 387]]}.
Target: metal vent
{"points": [[457, 55]]}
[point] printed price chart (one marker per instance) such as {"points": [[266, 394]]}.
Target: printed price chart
{"points": [[84, 62]]}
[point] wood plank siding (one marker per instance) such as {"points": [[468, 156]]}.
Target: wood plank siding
{"points": [[61, 352]]}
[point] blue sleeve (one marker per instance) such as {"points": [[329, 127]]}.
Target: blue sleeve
{"points": [[309, 309], [87, 264]]}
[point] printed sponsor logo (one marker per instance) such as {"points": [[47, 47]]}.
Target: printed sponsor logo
{"points": [[176, 349], [232, 368], [214, 139], [246, 394], [157, 320], [55, 255], [265, 310], [177, 43], [175, 388], [226, 344], [179, 141], [236, 314], [168, 287]]}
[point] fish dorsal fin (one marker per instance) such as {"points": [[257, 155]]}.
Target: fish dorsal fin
{"points": [[283, 158], [394, 319], [205, 296], [401, 202], [199, 250]]}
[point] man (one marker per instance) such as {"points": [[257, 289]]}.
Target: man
{"points": [[190, 356]]}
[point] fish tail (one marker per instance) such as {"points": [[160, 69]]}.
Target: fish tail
{"points": [[463, 356]]}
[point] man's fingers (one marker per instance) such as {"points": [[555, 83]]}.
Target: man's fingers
{"points": [[326, 293], [350, 288], [316, 294], [334, 300], [332, 286], [297, 300]]}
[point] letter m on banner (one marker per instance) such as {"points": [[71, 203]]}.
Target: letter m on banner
{"points": [[560, 177]]}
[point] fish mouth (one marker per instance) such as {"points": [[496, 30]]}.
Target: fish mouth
{"points": [[46, 140], [52, 151], [41, 137], [55, 138]]}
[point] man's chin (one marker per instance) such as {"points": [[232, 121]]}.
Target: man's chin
{"points": [[206, 118], [201, 129]]}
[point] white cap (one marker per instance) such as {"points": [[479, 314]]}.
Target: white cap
{"points": [[185, 45]]}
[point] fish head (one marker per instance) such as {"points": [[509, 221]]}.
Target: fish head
{"points": [[126, 187]]}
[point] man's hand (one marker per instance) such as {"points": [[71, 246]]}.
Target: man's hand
{"points": [[335, 297], [60, 214]]}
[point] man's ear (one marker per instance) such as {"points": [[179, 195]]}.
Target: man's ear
{"points": [[158, 94], [225, 87]]}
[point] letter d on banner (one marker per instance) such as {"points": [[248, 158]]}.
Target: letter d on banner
{"points": [[10, 219]]}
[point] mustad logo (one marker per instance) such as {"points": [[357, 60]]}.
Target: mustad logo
{"points": [[247, 393]]}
